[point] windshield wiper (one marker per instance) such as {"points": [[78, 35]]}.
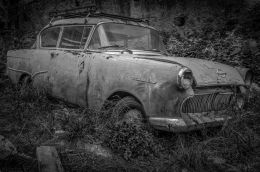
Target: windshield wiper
{"points": [[112, 46], [157, 50]]}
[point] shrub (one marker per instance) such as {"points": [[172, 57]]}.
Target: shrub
{"points": [[131, 141], [78, 123]]}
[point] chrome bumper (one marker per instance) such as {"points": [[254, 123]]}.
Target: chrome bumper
{"points": [[189, 122]]}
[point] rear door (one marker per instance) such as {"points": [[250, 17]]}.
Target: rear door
{"points": [[41, 57]]}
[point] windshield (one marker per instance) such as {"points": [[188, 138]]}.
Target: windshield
{"points": [[123, 36]]}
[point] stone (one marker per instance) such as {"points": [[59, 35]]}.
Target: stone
{"points": [[6, 148], [48, 159]]}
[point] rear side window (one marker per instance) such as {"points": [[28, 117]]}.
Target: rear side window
{"points": [[74, 37], [49, 37]]}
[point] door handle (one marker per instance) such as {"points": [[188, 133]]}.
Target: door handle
{"points": [[54, 54]]}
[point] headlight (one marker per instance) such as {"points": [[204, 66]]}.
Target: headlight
{"points": [[185, 78], [249, 78]]}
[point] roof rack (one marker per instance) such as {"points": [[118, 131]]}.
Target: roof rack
{"points": [[113, 16], [74, 12], [89, 11]]}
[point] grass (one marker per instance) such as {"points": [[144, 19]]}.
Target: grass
{"points": [[29, 119]]}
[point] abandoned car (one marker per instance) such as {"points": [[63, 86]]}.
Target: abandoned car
{"points": [[91, 60]]}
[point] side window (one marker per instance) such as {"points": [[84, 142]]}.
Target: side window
{"points": [[95, 41], [49, 37], [74, 37]]}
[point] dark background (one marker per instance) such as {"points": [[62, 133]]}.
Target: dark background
{"points": [[222, 30]]}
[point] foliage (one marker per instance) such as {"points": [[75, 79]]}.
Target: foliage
{"points": [[231, 49], [26, 113], [79, 123], [231, 38], [131, 141], [31, 119]]}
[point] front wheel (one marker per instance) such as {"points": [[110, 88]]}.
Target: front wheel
{"points": [[129, 110]]}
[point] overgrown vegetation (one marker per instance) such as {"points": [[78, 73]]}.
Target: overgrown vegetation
{"points": [[30, 119], [131, 141]]}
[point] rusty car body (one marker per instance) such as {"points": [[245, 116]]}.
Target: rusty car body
{"points": [[89, 60]]}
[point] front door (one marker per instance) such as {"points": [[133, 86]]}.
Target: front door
{"points": [[69, 65]]}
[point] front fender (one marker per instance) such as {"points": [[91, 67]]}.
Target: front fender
{"points": [[166, 99]]}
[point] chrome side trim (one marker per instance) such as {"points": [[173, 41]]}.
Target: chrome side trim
{"points": [[22, 71], [16, 70], [37, 73]]}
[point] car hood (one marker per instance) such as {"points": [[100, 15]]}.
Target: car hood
{"points": [[206, 73]]}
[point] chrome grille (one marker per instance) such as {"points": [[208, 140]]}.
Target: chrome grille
{"points": [[207, 102]]}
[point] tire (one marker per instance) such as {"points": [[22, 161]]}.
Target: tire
{"points": [[128, 110]]}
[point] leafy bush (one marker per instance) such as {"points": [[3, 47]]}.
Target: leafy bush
{"points": [[232, 50], [26, 116], [131, 141], [79, 124], [230, 40]]}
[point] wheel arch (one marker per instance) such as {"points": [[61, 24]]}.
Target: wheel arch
{"points": [[119, 94], [22, 77]]}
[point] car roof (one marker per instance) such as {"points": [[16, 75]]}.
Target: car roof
{"points": [[95, 21]]}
